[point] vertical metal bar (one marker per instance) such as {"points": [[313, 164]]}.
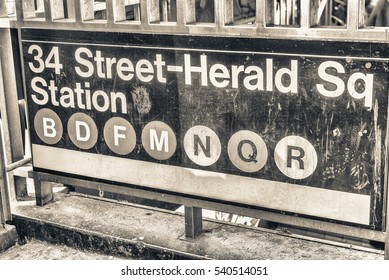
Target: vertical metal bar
{"points": [[354, 15], [282, 12], [229, 11], [172, 10], [153, 11], [386, 255], [386, 219], [180, 8], [193, 221], [137, 12], [48, 11], [308, 13], [87, 9], [165, 11], [385, 210], [54, 9], [144, 15], [305, 14], [76, 9], [3, 9], [40, 4], [190, 10], [69, 9], [314, 10], [19, 11], [361, 13], [109, 10], [218, 12], [326, 19], [260, 13], [322, 9], [119, 10], [269, 11], [28, 8], [5, 208]]}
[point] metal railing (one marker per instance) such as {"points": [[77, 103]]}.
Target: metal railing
{"points": [[303, 19], [11, 150]]}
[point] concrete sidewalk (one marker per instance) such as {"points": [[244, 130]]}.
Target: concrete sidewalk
{"points": [[124, 230], [41, 250]]}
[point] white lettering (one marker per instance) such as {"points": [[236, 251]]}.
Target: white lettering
{"points": [[159, 143], [339, 84], [125, 65], [269, 74], [292, 73], [202, 69], [219, 71], [236, 70], [144, 67], [84, 62], [368, 91], [49, 127], [122, 98], [117, 135], [159, 63], [257, 76], [99, 63], [36, 89], [86, 136]]}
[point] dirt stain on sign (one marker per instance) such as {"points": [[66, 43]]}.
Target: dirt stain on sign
{"points": [[141, 99]]}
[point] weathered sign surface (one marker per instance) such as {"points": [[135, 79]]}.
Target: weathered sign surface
{"points": [[291, 126]]}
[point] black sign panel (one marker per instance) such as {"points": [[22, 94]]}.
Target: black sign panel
{"points": [[293, 126]]}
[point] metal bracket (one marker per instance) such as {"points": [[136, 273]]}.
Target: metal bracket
{"points": [[193, 222]]}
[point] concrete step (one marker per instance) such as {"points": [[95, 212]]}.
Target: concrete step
{"points": [[8, 237], [127, 230]]}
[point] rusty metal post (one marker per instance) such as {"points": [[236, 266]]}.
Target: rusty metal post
{"points": [[193, 221]]}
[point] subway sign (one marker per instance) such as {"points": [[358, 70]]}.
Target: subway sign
{"points": [[289, 126]]}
